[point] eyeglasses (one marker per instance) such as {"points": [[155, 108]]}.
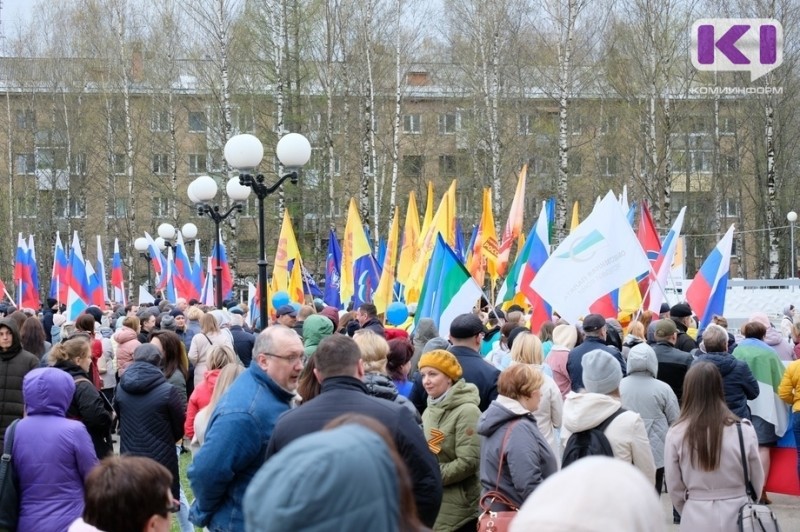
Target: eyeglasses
{"points": [[291, 359]]}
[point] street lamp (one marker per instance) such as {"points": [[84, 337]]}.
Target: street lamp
{"points": [[244, 153], [201, 191], [141, 245], [792, 217]]}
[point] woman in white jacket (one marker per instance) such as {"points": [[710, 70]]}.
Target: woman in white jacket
{"points": [[582, 411], [527, 349], [652, 399]]}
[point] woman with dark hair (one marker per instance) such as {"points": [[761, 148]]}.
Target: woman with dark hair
{"points": [[87, 405], [33, 340], [128, 494], [308, 387], [85, 324], [175, 363], [546, 336], [398, 364], [703, 460]]}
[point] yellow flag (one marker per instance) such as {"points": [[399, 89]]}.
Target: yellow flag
{"points": [[383, 294], [410, 241], [575, 222], [439, 225], [514, 224], [296, 283], [354, 246], [287, 251], [486, 242], [428, 218]]}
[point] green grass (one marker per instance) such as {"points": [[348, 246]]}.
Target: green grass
{"points": [[185, 460]]}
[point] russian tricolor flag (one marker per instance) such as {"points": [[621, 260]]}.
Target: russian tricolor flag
{"points": [[706, 294], [101, 273], [182, 272], [197, 270], [227, 278], [539, 253], [58, 284], [76, 272], [117, 278]]}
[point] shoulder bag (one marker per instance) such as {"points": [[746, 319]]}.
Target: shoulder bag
{"points": [[9, 492], [489, 520], [753, 517]]}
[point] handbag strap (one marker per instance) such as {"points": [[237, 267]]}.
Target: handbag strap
{"points": [[8, 443], [503, 452], [748, 486]]}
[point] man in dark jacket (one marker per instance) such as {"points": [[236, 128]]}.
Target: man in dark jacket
{"points": [[367, 317], [47, 318], [243, 341], [466, 332], [594, 329], [681, 314], [340, 370], [738, 381], [672, 363], [151, 412], [15, 363]]}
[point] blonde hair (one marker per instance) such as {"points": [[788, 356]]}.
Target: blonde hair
{"points": [[131, 322], [637, 329], [219, 356], [519, 381], [374, 350], [527, 349], [193, 313], [226, 377], [208, 324], [73, 350]]}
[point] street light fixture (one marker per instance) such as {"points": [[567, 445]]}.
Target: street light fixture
{"points": [[201, 191], [244, 153], [792, 217], [141, 245]]}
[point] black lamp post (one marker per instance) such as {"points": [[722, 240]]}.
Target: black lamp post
{"points": [[143, 248], [201, 191], [245, 152]]}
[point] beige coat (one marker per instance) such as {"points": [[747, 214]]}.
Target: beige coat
{"points": [[549, 414], [710, 500], [199, 346], [626, 434]]}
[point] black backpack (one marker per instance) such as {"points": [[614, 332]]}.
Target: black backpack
{"points": [[591, 442]]}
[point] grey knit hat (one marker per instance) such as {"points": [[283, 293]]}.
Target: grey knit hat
{"points": [[147, 353], [601, 372]]}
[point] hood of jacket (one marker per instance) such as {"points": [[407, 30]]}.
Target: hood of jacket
{"points": [[501, 411], [210, 378], [16, 345], [315, 328], [141, 377], [461, 393], [642, 359], [47, 391], [379, 385], [425, 331], [125, 334], [725, 363], [774, 337], [583, 411]]}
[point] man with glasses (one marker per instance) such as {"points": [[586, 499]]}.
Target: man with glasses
{"points": [[240, 429]]}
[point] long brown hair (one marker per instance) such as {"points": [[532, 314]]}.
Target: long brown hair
{"points": [[705, 413]]}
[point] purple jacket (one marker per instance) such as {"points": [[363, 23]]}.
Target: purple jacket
{"points": [[52, 455]]}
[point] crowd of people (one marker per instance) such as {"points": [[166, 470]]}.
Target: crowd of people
{"points": [[333, 420]]}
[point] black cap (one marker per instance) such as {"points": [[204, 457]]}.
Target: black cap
{"points": [[176, 312], [51, 302], [466, 326], [283, 310], [516, 331], [497, 313], [664, 308], [681, 310], [593, 322]]}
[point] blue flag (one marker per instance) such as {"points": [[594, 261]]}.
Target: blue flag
{"points": [[333, 272]]}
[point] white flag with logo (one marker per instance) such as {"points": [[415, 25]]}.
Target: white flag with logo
{"points": [[599, 256]]}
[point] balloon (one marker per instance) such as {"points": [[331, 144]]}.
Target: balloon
{"points": [[295, 305], [397, 313], [280, 299]]}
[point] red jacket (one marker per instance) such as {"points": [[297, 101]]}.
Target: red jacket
{"points": [[200, 398]]}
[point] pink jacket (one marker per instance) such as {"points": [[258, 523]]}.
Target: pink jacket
{"points": [[126, 344], [200, 398]]}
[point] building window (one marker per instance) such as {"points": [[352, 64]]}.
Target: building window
{"points": [[79, 164], [26, 119], [249, 207], [337, 165], [448, 123], [609, 124], [159, 121], [51, 158], [577, 125], [729, 164], [25, 207], [118, 163], [448, 165], [197, 163], [26, 163], [524, 124], [413, 165], [118, 208], [694, 161], [727, 125], [538, 166], [412, 123], [160, 207], [608, 165], [244, 122], [70, 208], [731, 208], [160, 163], [197, 122]]}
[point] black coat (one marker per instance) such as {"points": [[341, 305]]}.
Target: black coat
{"points": [[47, 323], [243, 343], [15, 363], [151, 416], [574, 367], [738, 381], [672, 366], [684, 341], [342, 395], [475, 371], [374, 325], [88, 407]]}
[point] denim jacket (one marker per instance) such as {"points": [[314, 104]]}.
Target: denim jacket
{"points": [[234, 449]]}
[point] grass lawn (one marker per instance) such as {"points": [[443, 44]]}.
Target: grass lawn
{"points": [[185, 460]]}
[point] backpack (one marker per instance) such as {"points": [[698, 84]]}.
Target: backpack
{"points": [[591, 442]]}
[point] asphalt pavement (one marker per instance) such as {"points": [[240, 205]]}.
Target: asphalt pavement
{"points": [[786, 508]]}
